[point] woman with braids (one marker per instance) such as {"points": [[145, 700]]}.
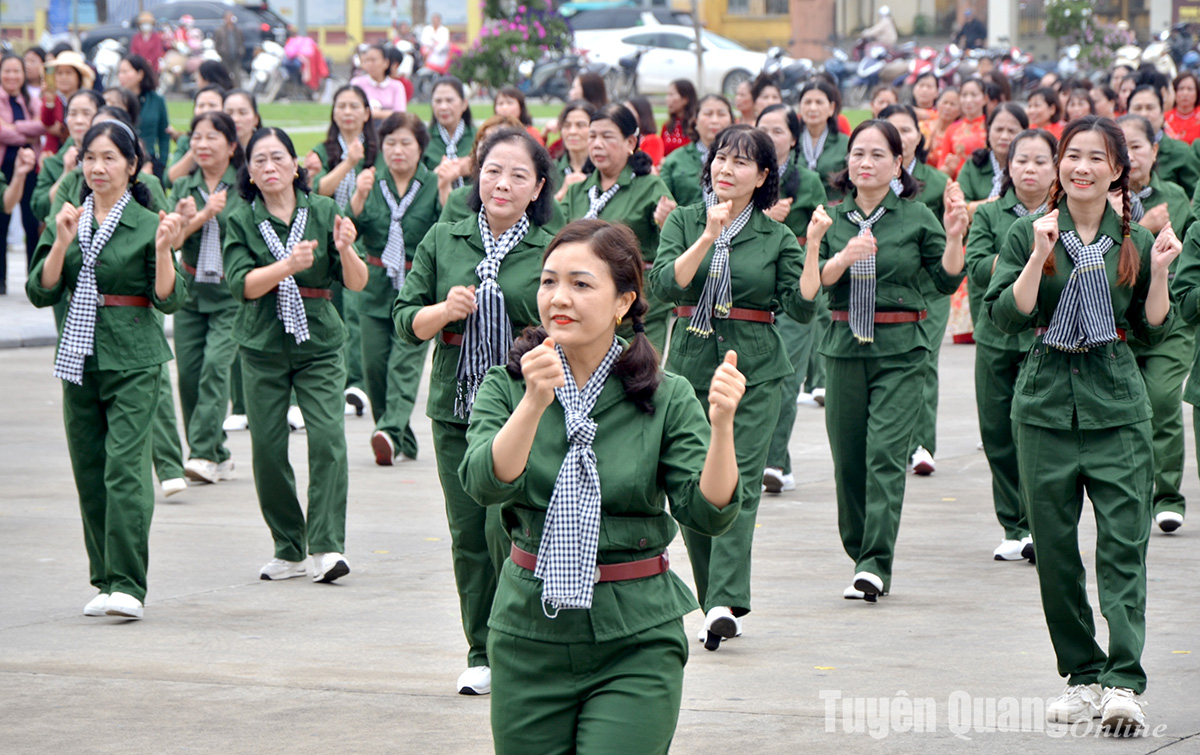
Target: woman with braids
{"points": [[800, 193], [728, 268], [472, 289], [587, 664], [680, 171], [204, 345], [1028, 176], [284, 249], [876, 350], [1084, 278], [394, 205], [681, 113], [1154, 205], [451, 132], [822, 145], [113, 257], [623, 189]]}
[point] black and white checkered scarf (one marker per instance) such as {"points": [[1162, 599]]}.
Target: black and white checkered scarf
{"points": [[598, 201], [451, 142], [997, 175], [862, 283], [1021, 210], [289, 306], [566, 559], [812, 151], [1137, 207], [716, 299], [393, 251], [345, 189], [702, 149], [78, 340], [1083, 317], [487, 332], [210, 267]]}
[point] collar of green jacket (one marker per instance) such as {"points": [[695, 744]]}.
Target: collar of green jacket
{"points": [[890, 201], [624, 179], [195, 180], [1110, 224], [423, 174], [259, 212], [468, 228]]}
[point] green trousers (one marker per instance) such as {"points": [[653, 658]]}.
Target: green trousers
{"points": [[237, 394], [721, 565], [814, 372], [800, 340], [617, 698], [347, 304], [1164, 368], [870, 422], [166, 448], [995, 377], [204, 354], [391, 373], [478, 543], [318, 381], [1114, 468], [108, 421], [934, 328]]}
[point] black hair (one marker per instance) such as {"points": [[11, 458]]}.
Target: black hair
{"points": [[513, 93], [980, 156], [594, 89], [1002, 84], [743, 140], [220, 91], [540, 209], [215, 72], [1050, 97], [831, 93], [249, 98], [1152, 77], [60, 48], [645, 115], [687, 91], [880, 89], [909, 185], [789, 179], [397, 121], [927, 74], [223, 124], [1086, 94], [921, 153], [149, 78], [333, 150], [127, 144], [1147, 127], [692, 130], [91, 94], [1029, 133], [574, 105], [760, 84], [246, 187], [390, 60], [1109, 94], [617, 246], [24, 84], [38, 51], [132, 107], [626, 122], [456, 84], [1145, 88]]}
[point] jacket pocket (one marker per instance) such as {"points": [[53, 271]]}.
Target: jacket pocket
{"points": [[1030, 379], [1112, 368]]}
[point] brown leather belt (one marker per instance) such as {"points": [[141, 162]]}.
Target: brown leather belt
{"points": [[735, 313], [311, 293], [1042, 332], [841, 315], [647, 567], [451, 339], [191, 270], [117, 300], [378, 262]]}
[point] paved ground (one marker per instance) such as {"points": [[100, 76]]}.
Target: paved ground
{"points": [[226, 662]]}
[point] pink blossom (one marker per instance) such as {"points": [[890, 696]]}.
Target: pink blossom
{"points": [[514, 48], [541, 33], [520, 8]]}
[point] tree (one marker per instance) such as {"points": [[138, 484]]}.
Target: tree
{"points": [[512, 34]]}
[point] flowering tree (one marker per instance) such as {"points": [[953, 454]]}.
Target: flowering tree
{"points": [[1073, 22], [511, 34]]}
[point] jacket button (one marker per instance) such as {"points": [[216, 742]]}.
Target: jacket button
{"points": [[721, 339], [642, 543], [1037, 352], [1075, 370], [526, 532], [900, 300], [137, 320], [1112, 355]]}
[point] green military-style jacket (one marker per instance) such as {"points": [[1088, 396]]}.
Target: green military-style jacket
{"points": [[633, 204], [1179, 210], [809, 193], [319, 149], [73, 181], [933, 189], [988, 233], [831, 161], [644, 461], [680, 171], [456, 209], [975, 180], [257, 325], [126, 338], [206, 297], [1090, 390], [911, 242], [182, 145], [1185, 290], [52, 170], [563, 165], [377, 299], [1178, 164], [436, 150], [765, 262], [446, 258]]}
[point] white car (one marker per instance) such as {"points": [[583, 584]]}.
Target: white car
{"points": [[670, 53]]}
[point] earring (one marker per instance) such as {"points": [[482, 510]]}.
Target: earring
{"points": [[296, 174], [618, 319], [251, 181]]}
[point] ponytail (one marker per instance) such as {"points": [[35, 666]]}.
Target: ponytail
{"points": [[639, 162]]}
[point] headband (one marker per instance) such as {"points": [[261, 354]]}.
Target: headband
{"points": [[123, 127]]}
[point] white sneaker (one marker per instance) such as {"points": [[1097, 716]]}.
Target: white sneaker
{"points": [[818, 396], [1121, 711], [1077, 703], [789, 482], [235, 422], [226, 470], [329, 566], [384, 448], [357, 400], [922, 462], [871, 585], [277, 569], [772, 480], [1168, 521], [295, 418], [201, 470], [476, 680], [1027, 551], [173, 486], [853, 593], [96, 605], [1009, 550], [123, 605]]}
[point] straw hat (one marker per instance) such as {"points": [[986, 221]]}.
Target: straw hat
{"points": [[145, 17], [73, 59]]}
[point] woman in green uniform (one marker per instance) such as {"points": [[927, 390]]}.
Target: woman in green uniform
{"points": [[1154, 205], [582, 665], [982, 174], [728, 268], [822, 145], [800, 192], [1176, 162], [81, 108], [622, 189], [204, 345], [1028, 177], [394, 206], [451, 132], [183, 162], [875, 350], [680, 170], [113, 256], [473, 288], [284, 249], [573, 124], [1185, 290], [1083, 277]]}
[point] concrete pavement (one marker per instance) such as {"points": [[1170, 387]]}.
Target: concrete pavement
{"points": [[226, 662]]}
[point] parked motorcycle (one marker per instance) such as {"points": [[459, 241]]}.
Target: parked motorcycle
{"points": [[549, 78], [878, 64], [621, 79], [431, 71], [946, 66], [267, 75], [838, 66], [921, 62], [789, 78]]}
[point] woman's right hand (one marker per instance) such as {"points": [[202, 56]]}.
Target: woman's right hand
{"points": [[364, 181], [726, 391], [301, 257], [859, 248], [460, 303], [665, 207], [354, 153], [718, 218], [66, 222], [70, 159], [543, 372], [1045, 236]]}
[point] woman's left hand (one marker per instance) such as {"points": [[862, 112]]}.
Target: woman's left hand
{"points": [[25, 161], [1166, 248], [779, 211], [955, 218], [170, 229], [725, 393], [344, 234]]}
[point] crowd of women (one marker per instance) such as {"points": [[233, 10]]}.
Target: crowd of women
{"points": [[771, 254]]}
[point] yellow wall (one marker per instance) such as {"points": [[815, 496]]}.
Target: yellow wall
{"points": [[758, 32]]}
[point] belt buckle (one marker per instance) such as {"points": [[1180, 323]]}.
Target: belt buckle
{"points": [[596, 579], [99, 300]]}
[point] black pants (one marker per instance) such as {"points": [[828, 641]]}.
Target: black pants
{"points": [[27, 218]]}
